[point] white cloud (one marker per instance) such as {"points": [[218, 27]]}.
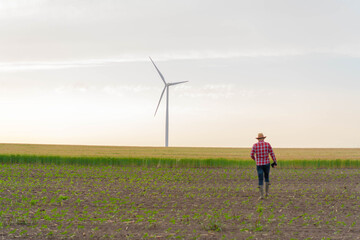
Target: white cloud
{"points": [[212, 91], [119, 90], [216, 87], [44, 65], [192, 55]]}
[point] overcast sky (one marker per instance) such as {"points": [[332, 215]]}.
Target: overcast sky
{"points": [[78, 72]]}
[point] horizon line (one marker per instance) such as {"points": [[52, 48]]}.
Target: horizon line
{"points": [[138, 146]]}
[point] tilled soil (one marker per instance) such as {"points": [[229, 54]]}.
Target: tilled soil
{"points": [[77, 202]]}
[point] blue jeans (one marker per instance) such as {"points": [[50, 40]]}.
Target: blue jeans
{"points": [[263, 170]]}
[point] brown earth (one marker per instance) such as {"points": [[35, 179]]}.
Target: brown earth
{"points": [[73, 202]]}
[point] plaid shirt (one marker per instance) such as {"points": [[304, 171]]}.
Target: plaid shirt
{"points": [[262, 150]]}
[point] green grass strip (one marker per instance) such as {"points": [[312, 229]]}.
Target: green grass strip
{"points": [[171, 163], [126, 162]]}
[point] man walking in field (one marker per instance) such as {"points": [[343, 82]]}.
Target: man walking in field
{"points": [[260, 153]]}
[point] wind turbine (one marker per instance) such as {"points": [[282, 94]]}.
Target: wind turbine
{"points": [[166, 87]]}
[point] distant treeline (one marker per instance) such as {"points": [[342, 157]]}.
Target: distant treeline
{"points": [[172, 163]]}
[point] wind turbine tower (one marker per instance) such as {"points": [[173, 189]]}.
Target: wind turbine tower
{"points": [[166, 88]]}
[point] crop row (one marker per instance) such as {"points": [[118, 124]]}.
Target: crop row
{"points": [[111, 202], [172, 163]]}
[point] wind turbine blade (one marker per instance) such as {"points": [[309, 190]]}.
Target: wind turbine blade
{"points": [[162, 77], [175, 83], [160, 101]]}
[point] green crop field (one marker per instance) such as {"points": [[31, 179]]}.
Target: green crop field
{"points": [[42, 201], [173, 157], [176, 152], [96, 192]]}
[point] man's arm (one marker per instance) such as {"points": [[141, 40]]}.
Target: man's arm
{"points": [[252, 155], [272, 154]]}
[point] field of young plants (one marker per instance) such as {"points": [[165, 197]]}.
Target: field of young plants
{"points": [[49, 201], [82, 192]]}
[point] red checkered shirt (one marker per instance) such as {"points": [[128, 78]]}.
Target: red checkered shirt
{"points": [[262, 150]]}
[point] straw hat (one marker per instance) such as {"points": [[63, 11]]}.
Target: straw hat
{"points": [[261, 136]]}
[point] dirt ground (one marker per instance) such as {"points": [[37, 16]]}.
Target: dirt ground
{"points": [[78, 202]]}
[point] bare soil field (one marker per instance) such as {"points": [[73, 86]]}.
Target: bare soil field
{"points": [[177, 152], [102, 202]]}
